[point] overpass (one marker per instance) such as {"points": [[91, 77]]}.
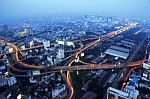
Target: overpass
{"points": [[104, 37], [40, 46], [69, 67], [24, 73]]}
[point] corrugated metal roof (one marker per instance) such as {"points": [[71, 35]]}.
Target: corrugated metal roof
{"points": [[127, 45], [127, 42], [117, 53], [116, 91], [120, 49]]}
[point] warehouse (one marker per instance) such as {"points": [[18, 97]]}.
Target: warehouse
{"points": [[120, 49], [117, 53]]}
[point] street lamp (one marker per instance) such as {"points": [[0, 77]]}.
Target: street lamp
{"points": [[82, 54], [61, 71], [77, 60], [10, 50], [77, 72]]}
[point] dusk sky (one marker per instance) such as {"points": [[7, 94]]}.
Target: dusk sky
{"points": [[19, 8]]}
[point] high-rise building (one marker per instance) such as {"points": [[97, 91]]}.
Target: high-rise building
{"points": [[5, 27], [149, 58], [22, 47], [46, 44], [60, 53], [86, 16], [31, 43]]}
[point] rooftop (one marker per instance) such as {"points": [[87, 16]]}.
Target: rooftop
{"points": [[117, 53], [89, 95], [120, 49]]}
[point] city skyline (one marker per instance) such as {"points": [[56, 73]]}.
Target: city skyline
{"points": [[80, 49], [26, 8]]}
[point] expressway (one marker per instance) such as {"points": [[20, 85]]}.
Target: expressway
{"points": [[139, 31], [127, 62], [92, 44], [40, 46], [24, 73], [68, 80], [69, 67], [122, 71], [17, 51], [86, 47], [132, 69], [104, 37]]}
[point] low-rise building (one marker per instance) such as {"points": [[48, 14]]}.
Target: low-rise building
{"points": [[7, 81], [85, 86], [133, 93], [11, 81], [3, 81], [89, 95], [58, 90], [117, 53]]}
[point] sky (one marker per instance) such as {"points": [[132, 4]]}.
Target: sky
{"points": [[27, 8]]}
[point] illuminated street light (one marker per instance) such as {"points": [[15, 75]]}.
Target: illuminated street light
{"points": [[31, 43], [82, 54], [60, 71], [6, 74], [77, 72], [19, 96], [10, 50], [122, 75], [77, 60]]}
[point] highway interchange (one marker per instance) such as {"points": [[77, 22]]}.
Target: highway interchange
{"points": [[65, 70]]}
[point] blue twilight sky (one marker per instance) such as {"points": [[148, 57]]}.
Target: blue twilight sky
{"points": [[19, 8]]}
